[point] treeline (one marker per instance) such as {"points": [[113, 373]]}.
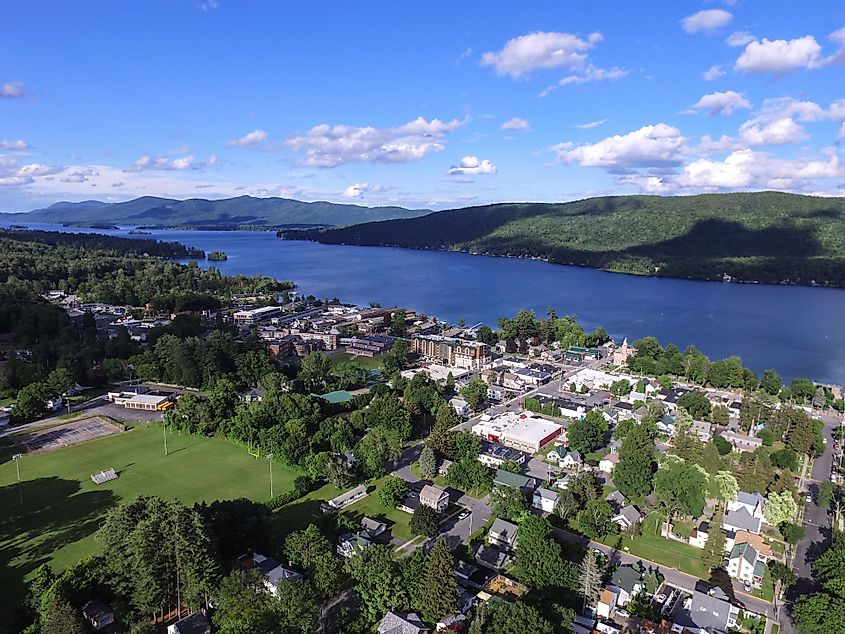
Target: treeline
{"points": [[112, 245], [750, 236]]}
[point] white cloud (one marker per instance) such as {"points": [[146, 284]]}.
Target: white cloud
{"points": [[591, 124], [725, 103], [79, 176], [739, 38], [11, 174], [707, 21], [778, 57], [472, 165], [328, 146], [779, 132], [713, 73], [837, 36], [11, 89], [165, 163], [841, 132], [515, 124], [540, 51], [17, 145], [250, 138], [359, 189], [657, 145], [592, 73]]}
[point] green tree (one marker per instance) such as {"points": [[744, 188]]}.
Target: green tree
{"points": [[585, 436], [594, 519], [713, 555], [397, 323], [507, 502], [425, 521], [475, 393], [441, 439], [820, 613], [515, 618], [539, 562], [685, 482], [392, 491], [62, 618], [309, 549], [589, 578], [378, 446], [696, 404], [785, 459], [297, 611], [779, 571], [791, 533], [771, 382], [727, 488], [439, 594], [396, 358], [428, 463], [634, 473], [722, 446], [30, 403], [780, 508], [827, 492], [378, 582], [242, 604]]}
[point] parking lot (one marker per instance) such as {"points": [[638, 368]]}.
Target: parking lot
{"points": [[64, 434]]}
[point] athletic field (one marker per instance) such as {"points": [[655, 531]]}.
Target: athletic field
{"points": [[62, 508]]}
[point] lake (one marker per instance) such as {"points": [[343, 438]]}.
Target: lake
{"points": [[800, 331]]}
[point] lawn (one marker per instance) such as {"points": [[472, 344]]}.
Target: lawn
{"points": [[767, 590], [62, 508], [370, 363]]}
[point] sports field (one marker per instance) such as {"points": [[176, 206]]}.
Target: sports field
{"points": [[62, 508]]}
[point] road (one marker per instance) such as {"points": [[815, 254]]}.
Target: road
{"points": [[816, 522]]}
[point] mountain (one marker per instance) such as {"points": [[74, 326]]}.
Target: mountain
{"points": [[240, 211], [767, 237]]}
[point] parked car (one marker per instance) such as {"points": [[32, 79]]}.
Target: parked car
{"points": [[463, 515], [622, 614]]}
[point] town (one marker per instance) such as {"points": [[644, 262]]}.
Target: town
{"points": [[535, 478]]}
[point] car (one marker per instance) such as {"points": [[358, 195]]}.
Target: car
{"points": [[622, 614], [660, 598], [463, 515], [598, 551], [809, 498], [746, 587]]}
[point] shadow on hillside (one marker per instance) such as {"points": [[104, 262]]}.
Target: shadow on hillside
{"points": [[54, 513]]}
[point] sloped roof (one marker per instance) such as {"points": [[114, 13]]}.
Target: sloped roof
{"points": [[626, 577], [401, 623]]}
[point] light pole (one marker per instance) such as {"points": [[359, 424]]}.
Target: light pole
{"points": [[17, 458], [270, 460], [164, 433]]}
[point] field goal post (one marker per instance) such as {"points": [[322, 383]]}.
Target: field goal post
{"points": [[255, 452]]}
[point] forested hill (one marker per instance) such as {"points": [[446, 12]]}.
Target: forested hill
{"points": [[764, 236], [228, 212]]}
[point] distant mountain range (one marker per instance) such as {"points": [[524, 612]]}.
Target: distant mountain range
{"points": [[767, 237], [150, 211]]}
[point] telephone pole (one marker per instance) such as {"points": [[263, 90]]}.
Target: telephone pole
{"points": [[17, 458], [270, 460]]}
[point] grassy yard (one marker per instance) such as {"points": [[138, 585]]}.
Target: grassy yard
{"points": [[370, 363], [767, 590], [62, 508]]}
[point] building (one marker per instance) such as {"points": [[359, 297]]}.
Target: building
{"points": [[544, 500], [754, 503], [196, 623], [742, 442], [503, 534], [373, 527], [628, 518], [504, 478], [352, 543], [434, 497], [98, 614], [702, 429], [274, 573], [607, 463], [253, 316], [526, 431], [709, 612], [350, 497], [572, 460], [742, 520], [492, 556], [460, 406], [494, 455], [460, 353], [401, 623], [746, 564], [606, 604], [149, 402], [625, 583]]}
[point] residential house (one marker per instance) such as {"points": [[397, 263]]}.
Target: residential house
{"points": [[556, 455], [460, 406], [492, 556], [251, 395], [494, 455], [495, 393], [606, 603], [98, 614], [666, 425], [572, 460], [742, 520], [616, 500], [628, 518], [545, 500], [373, 527], [402, 623], [754, 503], [352, 543], [350, 497], [704, 430], [625, 583], [563, 483], [515, 480], [746, 564], [698, 535], [742, 442], [452, 623], [710, 613], [196, 623], [274, 573], [607, 463], [434, 497], [503, 533]]}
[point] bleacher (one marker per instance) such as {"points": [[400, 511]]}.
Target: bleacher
{"points": [[104, 476]]}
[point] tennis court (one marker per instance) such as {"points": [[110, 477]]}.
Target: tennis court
{"points": [[64, 434]]}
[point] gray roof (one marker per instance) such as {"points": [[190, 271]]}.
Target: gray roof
{"points": [[370, 524], [743, 520], [546, 494], [626, 577], [752, 499], [575, 455], [615, 498], [705, 612], [401, 623], [196, 623], [504, 529], [280, 573], [631, 514]]}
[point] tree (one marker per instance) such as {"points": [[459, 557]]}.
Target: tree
{"points": [[315, 370], [475, 393], [827, 492], [428, 463], [378, 581], [820, 613], [727, 487], [392, 491], [779, 571], [594, 519], [62, 618], [785, 459], [310, 550], [720, 414], [722, 445], [30, 403], [686, 483], [441, 439], [298, 612], [377, 447], [397, 323], [585, 436], [469, 474], [515, 618], [567, 505], [791, 533], [589, 578], [242, 604], [425, 521], [634, 473], [713, 555], [507, 502], [395, 359], [438, 590], [696, 404], [771, 382], [780, 508], [467, 445], [538, 561]]}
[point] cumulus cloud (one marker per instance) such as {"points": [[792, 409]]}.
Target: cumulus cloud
{"points": [[739, 38], [706, 21], [713, 73], [359, 189], [471, 165], [657, 145], [725, 103], [11, 89], [778, 57], [779, 132], [591, 124], [17, 145], [166, 163], [540, 51], [79, 176], [11, 174], [251, 138], [328, 146], [515, 124]]}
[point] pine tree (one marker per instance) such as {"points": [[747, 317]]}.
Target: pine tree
{"points": [[441, 439], [714, 549], [62, 618], [589, 578], [438, 589], [428, 463]]}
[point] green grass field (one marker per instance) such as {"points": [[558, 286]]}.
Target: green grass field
{"points": [[370, 363], [62, 508]]}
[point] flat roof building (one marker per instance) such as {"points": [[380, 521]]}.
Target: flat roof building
{"points": [[246, 318], [459, 353], [525, 431]]}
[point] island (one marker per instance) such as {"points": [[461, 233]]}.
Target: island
{"points": [[218, 255]]}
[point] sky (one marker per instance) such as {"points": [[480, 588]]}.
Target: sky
{"points": [[425, 105]]}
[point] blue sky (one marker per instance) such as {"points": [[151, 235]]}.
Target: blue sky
{"points": [[434, 105]]}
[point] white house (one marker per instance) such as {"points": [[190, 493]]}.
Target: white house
{"points": [[625, 583], [545, 500], [607, 463], [460, 406], [434, 497], [350, 544], [572, 460], [754, 503], [274, 573], [745, 564], [627, 518], [503, 533], [98, 614]]}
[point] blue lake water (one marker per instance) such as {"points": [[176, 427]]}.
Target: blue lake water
{"points": [[799, 331]]}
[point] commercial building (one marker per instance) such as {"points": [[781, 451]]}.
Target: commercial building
{"points": [[459, 353], [525, 431], [149, 402], [247, 318]]}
